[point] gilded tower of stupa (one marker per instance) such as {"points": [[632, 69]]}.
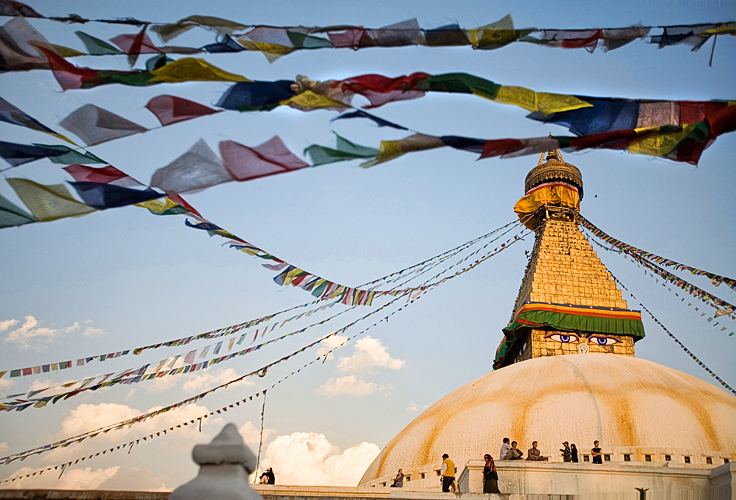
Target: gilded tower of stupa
{"points": [[566, 371], [568, 302]]}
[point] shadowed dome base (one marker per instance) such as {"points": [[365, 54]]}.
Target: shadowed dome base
{"points": [[632, 406]]}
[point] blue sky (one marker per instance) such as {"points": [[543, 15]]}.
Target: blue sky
{"points": [[139, 279]]}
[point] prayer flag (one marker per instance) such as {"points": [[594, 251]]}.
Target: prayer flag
{"points": [[95, 125], [345, 150], [256, 96], [11, 215], [105, 175], [13, 8], [270, 158], [221, 26], [198, 168], [18, 51], [48, 203], [170, 109], [103, 196], [189, 358], [11, 114], [95, 46], [18, 154]]}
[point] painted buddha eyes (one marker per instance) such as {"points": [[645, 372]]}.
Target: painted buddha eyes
{"points": [[601, 340], [592, 339], [564, 338]]}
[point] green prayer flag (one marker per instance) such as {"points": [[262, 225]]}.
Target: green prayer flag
{"points": [[95, 46], [345, 151], [71, 157], [12, 215], [302, 41], [462, 83]]}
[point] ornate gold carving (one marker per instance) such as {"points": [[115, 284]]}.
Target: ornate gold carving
{"points": [[554, 169]]}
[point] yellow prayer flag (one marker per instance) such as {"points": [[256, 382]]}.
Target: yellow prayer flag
{"points": [[157, 205], [66, 51], [190, 69], [48, 203], [388, 150], [499, 33], [272, 51], [308, 100], [538, 101], [659, 143]]}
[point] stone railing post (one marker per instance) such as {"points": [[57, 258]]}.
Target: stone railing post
{"points": [[224, 466]]}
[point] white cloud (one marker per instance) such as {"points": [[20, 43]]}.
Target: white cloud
{"points": [[330, 343], [3, 447], [252, 434], [308, 458], [412, 407], [5, 382], [29, 335], [211, 378], [349, 384], [369, 353], [72, 328], [112, 478], [4, 325], [93, 332], [162, 384]]}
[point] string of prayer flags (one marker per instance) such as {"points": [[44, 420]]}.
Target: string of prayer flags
{"points": [[200, 168], [276, 41], [718, 312], [19, 154], [643, 254], [683, 143], [183, 341], [152, 414], [694, 35], [682, 346], [20, 402], [80, 438], [143, 417], [607, 114], [682, 284], [187, 69]]}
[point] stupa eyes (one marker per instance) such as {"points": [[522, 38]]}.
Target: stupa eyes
{"points": [[592, 339], [561, 337], [597, 339]]}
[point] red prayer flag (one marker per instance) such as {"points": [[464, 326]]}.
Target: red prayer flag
{"points": [[270, 158], [379, 89], [68, 75], [170, 109], [501, 147], [353, 38]]}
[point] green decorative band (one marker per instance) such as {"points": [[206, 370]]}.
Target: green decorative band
{"points": [[570, 319]]}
